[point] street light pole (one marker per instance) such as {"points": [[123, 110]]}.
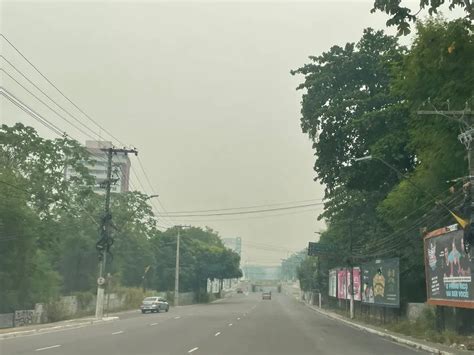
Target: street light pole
{"points": [[176, 276]]}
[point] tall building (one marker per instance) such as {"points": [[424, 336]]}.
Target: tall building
{"points": [[98, 169], [234, 244]]}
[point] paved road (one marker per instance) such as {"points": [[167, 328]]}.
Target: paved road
{"points": [[237, 325]]}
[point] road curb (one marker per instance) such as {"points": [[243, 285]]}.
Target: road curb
{"points": [[392, 337], [55, 328]]}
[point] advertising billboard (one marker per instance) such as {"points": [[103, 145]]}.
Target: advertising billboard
{"points": [[341, 284], [381, 283], [344, 280], [448, 269], [333, 283], [357, 288]]}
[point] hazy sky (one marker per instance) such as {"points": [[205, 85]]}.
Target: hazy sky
{"points": [[203, 90]]}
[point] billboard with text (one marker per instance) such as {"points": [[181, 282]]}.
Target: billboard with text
{"points": [[448, 269], [381, 283]]}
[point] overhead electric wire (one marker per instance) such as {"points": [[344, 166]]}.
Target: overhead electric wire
{"points": [[248, 212], [185, 219], [245, 207], [46, 95], [59, 91], [393, 244], [153, 190], [403, 230], [25, 108], [45, 104]]}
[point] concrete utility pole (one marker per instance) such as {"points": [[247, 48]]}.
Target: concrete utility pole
{"points": [[176, 275], [351, 268], [466, 137], [106, 241]]}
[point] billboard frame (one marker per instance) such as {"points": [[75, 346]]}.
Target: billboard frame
{"points": [[434, 301]]}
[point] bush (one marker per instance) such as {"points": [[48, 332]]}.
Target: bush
{"points": [[84, 299], [56, 311]]}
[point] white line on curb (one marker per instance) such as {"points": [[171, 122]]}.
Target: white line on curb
{"points": [[193, 349], [48, 347]]}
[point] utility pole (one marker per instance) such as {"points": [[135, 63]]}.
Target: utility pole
{"points": [[176, 275], [106, 241], [351, 268], [466, 137]]}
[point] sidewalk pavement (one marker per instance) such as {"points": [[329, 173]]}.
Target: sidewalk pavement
{"points": [[48, 327], [399, 338]]}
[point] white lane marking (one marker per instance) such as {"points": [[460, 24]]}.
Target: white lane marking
{"points": [[119, 332], [217, 334], [152, 324], [238, 318], [193, 349], [48, 347], [177, 317], [230, 324]]}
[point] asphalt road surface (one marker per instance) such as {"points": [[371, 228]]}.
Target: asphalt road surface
{"points": [[237, 325]]}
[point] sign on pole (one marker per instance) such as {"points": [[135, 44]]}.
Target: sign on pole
{"points": [[448, 269]]}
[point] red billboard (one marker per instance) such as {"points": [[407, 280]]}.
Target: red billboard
{"points": [[344, 281]]}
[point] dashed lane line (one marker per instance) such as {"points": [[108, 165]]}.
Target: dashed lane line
{"points": [[119, 332], [48, 347], [217, 334], [192, 350]]}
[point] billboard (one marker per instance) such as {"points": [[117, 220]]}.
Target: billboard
{"points": [[381, 283], [332, 283], [344, 280], [357, 288], [341, 284], [448, 269]]}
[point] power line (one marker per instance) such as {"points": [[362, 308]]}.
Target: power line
{"points": [[44, 103], [248, 212], [246, 218], [45, 94], [59, 91], [246, 207], [25, 108]]}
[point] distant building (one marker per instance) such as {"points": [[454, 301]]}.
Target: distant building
{"points": [[234, 244], [120, 167]]}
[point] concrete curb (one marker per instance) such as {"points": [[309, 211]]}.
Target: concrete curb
{"points": [[55, 328], [392, 337]]}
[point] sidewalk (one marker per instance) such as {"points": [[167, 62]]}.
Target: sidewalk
{"points": [[48, 327], [420, 344]]}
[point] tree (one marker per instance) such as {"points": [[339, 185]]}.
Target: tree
{"points": [[349, 110], [402, 15]]}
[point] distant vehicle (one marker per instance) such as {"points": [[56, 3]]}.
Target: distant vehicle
{"points": [[266, 296], [154, 304], [239, 290]]}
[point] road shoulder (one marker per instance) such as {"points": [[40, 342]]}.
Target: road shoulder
{"points": [[398, 338]]}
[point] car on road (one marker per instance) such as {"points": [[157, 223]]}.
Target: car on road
{"points": [[154, 304], [266, 296]]}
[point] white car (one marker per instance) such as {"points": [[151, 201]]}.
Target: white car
{"points": [[154, 304]]}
